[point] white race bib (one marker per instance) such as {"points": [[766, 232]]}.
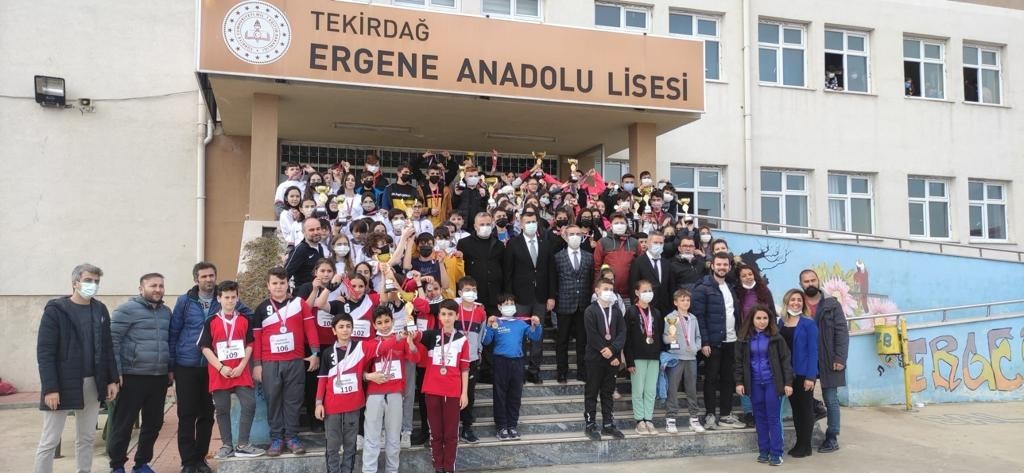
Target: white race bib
{"points": [[394, 371], [421, 324], [346, 384], [324, 319], [361, 328], [282, 343], [233, 350], [449, 359]]}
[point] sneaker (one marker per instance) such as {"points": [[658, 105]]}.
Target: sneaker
{"points": [[406, 439], [143, 468], [670, 426], [503, 435], [829, 445], [651, 429], [695, 425], [763, 457], [359, 443], [731, 422], [468, 435], [590, 430], [276, 446], [709, 422], [775, 460], [295, 446], [613, 432], [248, 451], [420, 438], [225, 451], [746, 418], [615, 395], [641, 427], [512, 432], [203, 467]]}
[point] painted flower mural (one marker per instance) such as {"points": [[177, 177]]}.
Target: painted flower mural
{"points": [[851, 288]]}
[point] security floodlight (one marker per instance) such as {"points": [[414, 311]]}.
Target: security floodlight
{"points": [[50, 91]]}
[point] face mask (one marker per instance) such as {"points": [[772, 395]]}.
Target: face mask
{"points": [[501, 222], [648, 227], [373, 168], [656, 249], [705, 238], [88, 289], [615, 188], [794, 313], [545, 201], [628, 187], [398, 225], [314, 183], [530, 228], [661, 185], [507, 310], [434, 179], [307, 212], [426, 250], [669, 197], [608, 296], [484, 231], [341, 250], [561, 222], [646, 297], [686, 256], [368, 207], [574, 241], [403, 177], [812, 291], [441, 245], [586, 222], [472, 180], [619, 228], [751, 286], [469, 296], [646, 181], [368, 183]]}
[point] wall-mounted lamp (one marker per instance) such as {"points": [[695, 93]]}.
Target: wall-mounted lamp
{"points": [[50, 91]]}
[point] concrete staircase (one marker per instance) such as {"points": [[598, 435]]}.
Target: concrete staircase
{"points": [[551, 423]]}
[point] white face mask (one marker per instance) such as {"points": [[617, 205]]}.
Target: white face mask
{"points": [[648, 227], [794, 313], [669, 197], [484, 231], [507, 311], [608, 296], [472, 180], [574, 241], [685, 256], [398, 225], [307, 212], [469, 296], [751, 286], [88, 289], [656, 249], [530, 228], [619, 228], [341, 250], [646, 297], [372, 168], [705, 238], [646, 181]]}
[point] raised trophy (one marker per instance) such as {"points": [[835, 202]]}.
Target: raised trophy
{"points": [[321, 198], [671, 320], [540, 156]]}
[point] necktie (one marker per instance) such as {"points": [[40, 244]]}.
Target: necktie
{"points": [[533, 251], [575, 261], [657, 267]]}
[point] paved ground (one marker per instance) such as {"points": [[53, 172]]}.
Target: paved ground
{"points": [[982, 437]]}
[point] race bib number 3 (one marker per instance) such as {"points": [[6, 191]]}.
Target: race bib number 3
{"points": [[394, 371], [282, 343], [361, 329], [235, 350], [346, 384]]}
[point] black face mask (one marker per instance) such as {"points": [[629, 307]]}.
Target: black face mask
{"points": [[426, 250], [314, 184], [561, 223], [812, 291], [403, 177], [434, 179], [501, 222], [586, 221], [367, 183]]}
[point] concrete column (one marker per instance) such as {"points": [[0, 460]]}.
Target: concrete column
{"points": [[642, 148], [263, 169]]}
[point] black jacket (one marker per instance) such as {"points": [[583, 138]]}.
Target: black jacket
{"points": [[470, 202], [709, 307], [833, 342], [593, 324], [531, 284], [643, 268], [778, 359], [636, 339], [483, 262], [686, 274], [301, 263], [59, 349]]}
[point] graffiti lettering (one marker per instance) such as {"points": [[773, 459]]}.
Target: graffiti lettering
{"points": [[944, 354], [999, 348], [952, 368]]}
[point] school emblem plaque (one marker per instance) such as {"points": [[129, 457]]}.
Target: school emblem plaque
{"points": [[257, 32]]}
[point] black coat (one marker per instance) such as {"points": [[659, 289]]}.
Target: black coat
{"points": [[778, 359], [833, 342], [636, 338], [59, 349], [483, 262], [531, 284], [301, 263], [686, 274], [643, 268]]}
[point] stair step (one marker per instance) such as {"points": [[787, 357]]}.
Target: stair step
{"points": [[549, 388]]}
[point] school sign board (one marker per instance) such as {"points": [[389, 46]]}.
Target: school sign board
{"points": [[351, 43]]}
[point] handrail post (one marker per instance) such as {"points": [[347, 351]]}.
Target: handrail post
{"points": [[905, 354], [988, 311], [944, 314]]}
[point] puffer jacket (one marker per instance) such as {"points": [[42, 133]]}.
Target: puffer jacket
{"points": [[187, 321], [709, 307], [140, 332]]}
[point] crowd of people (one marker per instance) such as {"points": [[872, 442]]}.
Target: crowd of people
{"points": [[404, 293]]}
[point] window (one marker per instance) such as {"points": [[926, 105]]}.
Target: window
{"points": [[850, 203], [702, 27], [780, 54], [626, 17], [613, 170], [929, 207], [924, 69], [446, 4], [518, 8], [846, 61], [982, 75], [784, 200], [987, 210], [701, 189]]}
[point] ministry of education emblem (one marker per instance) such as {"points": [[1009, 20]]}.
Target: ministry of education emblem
{"points": [[257, 32]]}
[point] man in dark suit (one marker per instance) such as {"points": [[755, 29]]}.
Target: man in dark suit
{"points": [[652, 267], [303, 259], [575, 278], [528, 276]]}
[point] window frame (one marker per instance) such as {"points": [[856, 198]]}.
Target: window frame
{"points": [[514, 15], [926, 212], [984, 203], [623, 9], [695, 34], [981, 66], [779, 48], [848, 200], [698, 188], [846, 52], [781, 195], [922, 60]]}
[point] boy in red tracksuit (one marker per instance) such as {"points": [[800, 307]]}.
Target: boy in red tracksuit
{"points": [[617, 250], [282, 325], [387, 374], [445, 385]]}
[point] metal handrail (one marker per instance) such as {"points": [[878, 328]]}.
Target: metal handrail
{"points": [[944, 310], [869, 236]]}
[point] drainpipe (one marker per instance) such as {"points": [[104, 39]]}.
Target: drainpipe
{"points": [[748, 168], [204, 134]]}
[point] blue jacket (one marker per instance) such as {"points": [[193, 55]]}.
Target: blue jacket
{"points": [[709, 308], [509, 336], [187, 321], [805, 348]]}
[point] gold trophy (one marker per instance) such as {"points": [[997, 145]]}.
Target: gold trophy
{"points": [[321, 197], [685, 204], [572, 164], [540, 156], [671, 320]]}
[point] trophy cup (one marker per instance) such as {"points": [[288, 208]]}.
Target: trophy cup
{"points": [[321, 199], [540, 156], [573, 162], [671, 320]]}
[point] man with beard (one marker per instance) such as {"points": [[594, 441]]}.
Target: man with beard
{"points": [[833, 344], [303, 259]]}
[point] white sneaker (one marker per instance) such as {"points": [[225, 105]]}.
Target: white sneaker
{"points": [[641, 427], [359, 442], [695, 425], [406, 439], [730, 421], [615, 395], [670, 426], [709, 422], [651, 429]]}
